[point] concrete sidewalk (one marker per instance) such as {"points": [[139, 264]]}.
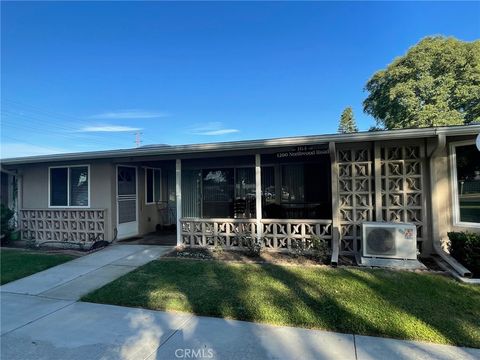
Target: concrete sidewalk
{"points": [[40, 319], [86, 331]]}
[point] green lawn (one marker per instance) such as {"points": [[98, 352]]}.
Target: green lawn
{"points": [[402, 305], [16, 264]]}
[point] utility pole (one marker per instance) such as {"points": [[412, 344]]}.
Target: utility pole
{"points": [[138, 139]]}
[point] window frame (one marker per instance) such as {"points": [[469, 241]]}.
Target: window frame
{"points": [[454, 185], [50, 206], [153, 184]]}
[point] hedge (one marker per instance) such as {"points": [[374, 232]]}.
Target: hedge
{"points": [[465, 247]]}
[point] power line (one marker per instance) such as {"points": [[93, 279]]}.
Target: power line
{"points": [[51, 114], [40, 126]]}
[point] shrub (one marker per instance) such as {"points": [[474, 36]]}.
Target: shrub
{"points": [[465, 247], [253, 244], [6, 216], [318, 249]]}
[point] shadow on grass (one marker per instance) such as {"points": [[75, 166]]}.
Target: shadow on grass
{"points": [[368, 302], [451, 309]]}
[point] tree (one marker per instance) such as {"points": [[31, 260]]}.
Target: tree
{"points": [[347, 122], [437, 82]]}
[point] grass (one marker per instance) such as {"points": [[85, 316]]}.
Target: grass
{"points": [[403, 305], [16, 264]]}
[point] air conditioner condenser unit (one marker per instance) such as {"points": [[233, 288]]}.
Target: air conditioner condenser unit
{"points": [[387, 244], [389, 240]]}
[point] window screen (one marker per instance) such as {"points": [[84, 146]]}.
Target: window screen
{"points": [[153, 190], [218, 193], [59, 187], [69, 186], [149, 185], [468, 183], [297, 191], [244, 204], [79, 186], [156, 182]]}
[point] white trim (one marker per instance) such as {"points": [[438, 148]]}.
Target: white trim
{"points": [[136, 200], [177, 150], [68, 187], [454, 186], [258, 195], [178, 198], [153, 183]]}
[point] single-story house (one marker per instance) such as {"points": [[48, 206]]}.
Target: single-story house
{"points": [[284, 189]]}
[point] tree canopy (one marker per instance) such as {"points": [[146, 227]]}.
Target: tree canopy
{"points": [[347, 122], [437, 82]]}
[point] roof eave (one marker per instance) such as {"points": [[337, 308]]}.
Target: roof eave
{"points": [[251, 144]]}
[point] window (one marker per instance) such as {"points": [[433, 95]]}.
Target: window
{"points": [[244, 203], [296, 191], [69, 186], [152, 185], [466, 184], [219, 193]]}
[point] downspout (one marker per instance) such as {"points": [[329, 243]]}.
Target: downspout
{"points": [[436, 236]]}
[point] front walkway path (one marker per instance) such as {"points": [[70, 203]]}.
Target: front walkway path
{"points": [[40, 319], [73, 279]]}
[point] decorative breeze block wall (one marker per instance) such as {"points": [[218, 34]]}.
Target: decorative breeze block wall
{"points": [[392, 176], [216, 232], [63, 225], [402, 169], [356, 195], [282, 235], [279, 235]]}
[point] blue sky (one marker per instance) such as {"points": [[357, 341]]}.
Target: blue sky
{"points": [[85, 76]]}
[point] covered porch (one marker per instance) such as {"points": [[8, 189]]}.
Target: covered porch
{"points": [[283, 195]]}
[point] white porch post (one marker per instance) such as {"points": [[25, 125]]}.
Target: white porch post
{"points": [[258, 194], [178, 193], [335, 203]]}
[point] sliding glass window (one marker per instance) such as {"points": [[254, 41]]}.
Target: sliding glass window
{"points": [[291, 189], [296, 191], [219, 193], [466, 184], [69, 186]]}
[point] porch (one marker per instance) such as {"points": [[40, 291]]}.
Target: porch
{"points": [[162, 239]]}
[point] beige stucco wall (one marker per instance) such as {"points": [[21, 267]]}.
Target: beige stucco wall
{"points": [[443, 168], [103, 190], [35, 188]]}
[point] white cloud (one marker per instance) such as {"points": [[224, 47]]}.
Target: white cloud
{"points": [[108, 128], [13, 149], [213, 128], [129, 114], [219, 132]]}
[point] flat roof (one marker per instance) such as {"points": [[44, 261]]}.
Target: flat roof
{"points": [[150, 150]]}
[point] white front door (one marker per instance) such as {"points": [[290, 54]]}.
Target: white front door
{"points": [[127, 211]]}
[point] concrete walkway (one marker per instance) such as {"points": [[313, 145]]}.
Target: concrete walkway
{"points": [[42, 320], [73, 279]]}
